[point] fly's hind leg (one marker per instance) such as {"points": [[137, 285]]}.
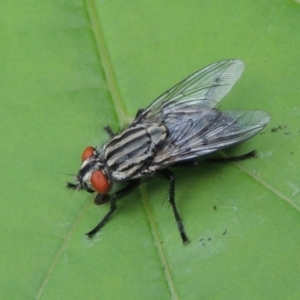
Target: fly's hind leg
{"points": [[132, 185], [248, 155], [167, 174], [195, 162]]}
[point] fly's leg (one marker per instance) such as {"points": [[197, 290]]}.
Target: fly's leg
{"points": [[193, 163], [101, 199], [113, 206], [169, 176], [109, 131], [248, 155], [139, 112], [186, 163], [233, 158]]}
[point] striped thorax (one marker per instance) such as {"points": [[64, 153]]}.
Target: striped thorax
{"points": [[127, 154]]}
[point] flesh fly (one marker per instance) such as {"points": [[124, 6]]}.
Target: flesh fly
{"points": [[178, 127]]}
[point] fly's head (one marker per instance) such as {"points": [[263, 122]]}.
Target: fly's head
{"points": [[91, 176]]}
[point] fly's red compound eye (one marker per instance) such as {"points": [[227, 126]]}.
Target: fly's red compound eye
{"points": [[87, 153], [99, 182]]}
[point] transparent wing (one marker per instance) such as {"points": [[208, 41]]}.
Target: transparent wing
{"points": [[198, 132], [205, 88]]}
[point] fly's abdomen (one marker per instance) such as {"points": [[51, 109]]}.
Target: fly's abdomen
{"points": [[127, 154]]}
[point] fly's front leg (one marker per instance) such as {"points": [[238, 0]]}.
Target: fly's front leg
{"points": [[113, 207], [109, 131], [169, 176], [101, 199], [132, 185], [139, 112]]}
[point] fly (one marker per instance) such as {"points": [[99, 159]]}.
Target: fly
{"points": [[178, 127]]}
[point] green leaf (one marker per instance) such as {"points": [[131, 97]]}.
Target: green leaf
{"points": [[71, 67]]}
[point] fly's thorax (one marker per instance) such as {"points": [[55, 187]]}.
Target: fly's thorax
{"points": [[128, 154]]}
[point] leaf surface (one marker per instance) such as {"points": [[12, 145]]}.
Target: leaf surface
{"points": [[69, 68]]}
